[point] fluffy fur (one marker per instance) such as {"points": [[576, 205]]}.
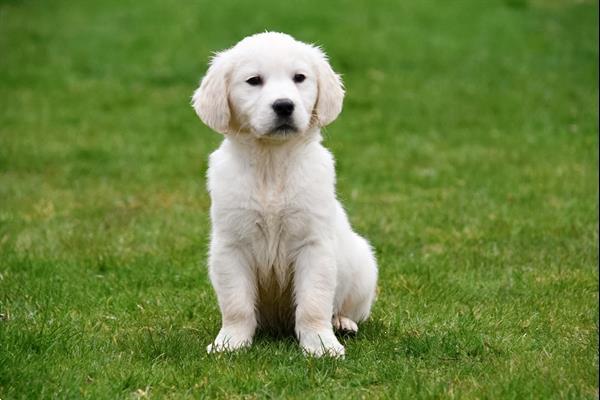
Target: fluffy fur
{"points": [[282, 252]]}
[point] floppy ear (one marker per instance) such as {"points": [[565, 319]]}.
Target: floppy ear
{"points": [[210, 100], [331, 90]]}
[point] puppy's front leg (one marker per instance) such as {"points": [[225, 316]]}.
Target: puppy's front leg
{"points": [[314, 289], [234, 284]]}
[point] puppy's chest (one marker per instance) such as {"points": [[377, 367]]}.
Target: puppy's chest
{"points": [[277, 217], [273, 231]]}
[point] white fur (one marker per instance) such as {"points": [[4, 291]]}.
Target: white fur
{"points": [[282, 251]]}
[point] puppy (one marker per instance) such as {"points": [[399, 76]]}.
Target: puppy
{"points": [[282, 252]]}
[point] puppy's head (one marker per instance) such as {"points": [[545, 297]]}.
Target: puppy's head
{"points": [[269, 85]]}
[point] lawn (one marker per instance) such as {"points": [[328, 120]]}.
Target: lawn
{"points": [[467, 153]]}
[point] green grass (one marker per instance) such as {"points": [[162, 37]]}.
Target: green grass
{"points": [[467, 152]]}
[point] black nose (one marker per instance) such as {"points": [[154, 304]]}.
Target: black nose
{"points": [[283, 107]]}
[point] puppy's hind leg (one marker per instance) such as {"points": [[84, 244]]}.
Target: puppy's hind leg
{"points": [[360, 275]]}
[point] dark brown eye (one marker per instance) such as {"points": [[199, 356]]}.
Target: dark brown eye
{"points": [[299, 78], [254, 81]]}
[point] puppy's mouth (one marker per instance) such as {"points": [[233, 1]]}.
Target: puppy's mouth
{"points": [[285, 128]]}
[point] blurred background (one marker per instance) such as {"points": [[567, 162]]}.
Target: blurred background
{"points": [[467, 152]]}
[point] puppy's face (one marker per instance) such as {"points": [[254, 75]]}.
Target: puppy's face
{"points": [[273, 91], [269, 86]]}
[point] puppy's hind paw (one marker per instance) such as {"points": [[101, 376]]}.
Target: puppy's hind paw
{"points": [[344, 325]]}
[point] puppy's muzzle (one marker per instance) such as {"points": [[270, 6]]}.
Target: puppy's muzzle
{"points": [[284, 122]]}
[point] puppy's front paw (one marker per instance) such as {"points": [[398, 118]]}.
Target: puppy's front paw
{"points": [[229, 340], [320, 343]]}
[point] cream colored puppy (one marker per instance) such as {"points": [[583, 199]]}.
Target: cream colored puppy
{"points": [[282, 252]]}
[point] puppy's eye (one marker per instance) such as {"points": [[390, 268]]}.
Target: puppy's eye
{"points": [[299, 78], [254, 81]]}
